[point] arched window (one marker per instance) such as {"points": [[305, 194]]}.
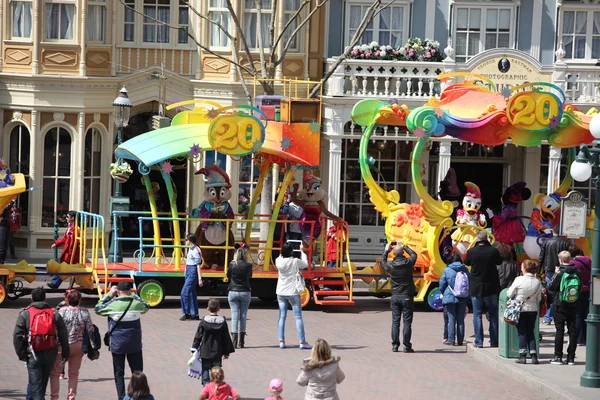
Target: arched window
{"points": [[18, 161], [57, 176], [92, 171]]}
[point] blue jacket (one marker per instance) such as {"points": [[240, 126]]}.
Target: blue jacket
{"points": [[127, 336], [447, 282]]}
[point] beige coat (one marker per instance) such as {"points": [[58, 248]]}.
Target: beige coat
{"points": [[528, 289], [321, 379]]}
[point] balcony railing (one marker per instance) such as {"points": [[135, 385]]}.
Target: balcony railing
{"points": [[385, 79], [580, 84]]}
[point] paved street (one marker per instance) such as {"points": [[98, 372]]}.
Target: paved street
{"points": [[359, 334]]}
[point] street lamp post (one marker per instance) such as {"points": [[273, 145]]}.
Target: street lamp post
{"points": [[588, 161], [121, 111]]}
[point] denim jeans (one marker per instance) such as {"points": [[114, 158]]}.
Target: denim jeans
{"points": [[39, 372], [491, 304], [239, 303], [189, 293], [445, 312], [565, 315], [402, 306], [582, 313], [526, 329], [56, 281], [136, 363], [456, 322], [296, 309], [207, 364], [550, 313]]}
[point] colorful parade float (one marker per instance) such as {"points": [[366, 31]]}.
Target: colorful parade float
{"points": [[471, 111]]}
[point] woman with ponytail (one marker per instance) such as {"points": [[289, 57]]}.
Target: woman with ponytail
{"points": [[239, 296]]}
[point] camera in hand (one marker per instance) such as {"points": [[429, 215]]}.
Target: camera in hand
{"points": [[393, 243]]}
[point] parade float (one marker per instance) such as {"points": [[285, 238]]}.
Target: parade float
{"points": [[473, 111]]}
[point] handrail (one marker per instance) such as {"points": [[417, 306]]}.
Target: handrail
{"points": [[97, 244]]}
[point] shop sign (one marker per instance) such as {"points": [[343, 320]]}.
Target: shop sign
{"points": [[573, 216], [510, 71]]}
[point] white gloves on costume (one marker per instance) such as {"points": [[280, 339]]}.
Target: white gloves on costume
{"points": [[195, 365], [490, 213], [481, 219]]}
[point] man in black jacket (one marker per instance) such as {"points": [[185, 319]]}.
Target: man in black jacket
{"points": [[548, 261], [484, 286], [564, 313], [403, 292], [39, 363]]}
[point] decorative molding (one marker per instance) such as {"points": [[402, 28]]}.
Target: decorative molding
{"points": [[96, 117], [60, 58], [216, 65], [58, 117], [17, 115], [99, 59], [17, 56]]}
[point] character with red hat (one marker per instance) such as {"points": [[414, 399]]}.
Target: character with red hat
{"points": [[468, 218], [217, 192], [507, 227]]}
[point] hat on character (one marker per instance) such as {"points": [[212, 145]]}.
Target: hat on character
{"points": [[215, 176], [310, 177], [449, 189], [516, 193], [472, 190]]}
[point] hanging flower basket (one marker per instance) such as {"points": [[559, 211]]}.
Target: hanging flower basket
{"points": [[120, 171], [415, 49]]}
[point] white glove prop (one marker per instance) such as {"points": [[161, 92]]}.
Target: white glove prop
{"points": [[490, 213], [195, 365], [481, 218], [547, 231]]}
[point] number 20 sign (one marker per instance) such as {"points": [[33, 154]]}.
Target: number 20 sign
{"points": [[534, 111], [236, 135]]}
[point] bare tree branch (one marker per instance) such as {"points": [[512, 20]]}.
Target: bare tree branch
{"points": [[295, 32], [259, 38], [184, 28], [272, 23], [373, 10], [240, 32], [286, 27], [209, 20]]}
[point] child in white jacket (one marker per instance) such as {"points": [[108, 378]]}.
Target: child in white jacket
{"points": [[321, 373], [528, 289]]}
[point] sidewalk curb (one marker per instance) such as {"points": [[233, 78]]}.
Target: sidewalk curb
{"points": [[548, 390]]}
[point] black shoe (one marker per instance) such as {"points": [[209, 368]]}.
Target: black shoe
{"points": [[408, 350], [195, 317], [570, 361], [522, 359], [242, 341], [52, 285], [13, 257], [184, 317], [448, 343], [234, 340], [534, 359], [395, 349], [557, 361]]}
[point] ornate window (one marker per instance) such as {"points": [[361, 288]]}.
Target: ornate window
{"points": [[57, 176], [92, 171], [158, 17], [482, 28], [291, 6], [183, 20], [251, 22], [21, 19], [217, 10], [96, 21], [388, 28], [391, 171], [18, 161], [580, 33], [129, 21], [156, 11], [60, 21]]}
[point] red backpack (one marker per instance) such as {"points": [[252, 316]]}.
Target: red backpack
{"points": [[42, 330]]}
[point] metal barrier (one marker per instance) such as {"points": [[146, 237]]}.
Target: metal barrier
{"points": [[83, 222]]}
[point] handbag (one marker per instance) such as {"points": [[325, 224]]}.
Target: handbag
{"points": [[108, 334], [300, 284], [512, 313]]}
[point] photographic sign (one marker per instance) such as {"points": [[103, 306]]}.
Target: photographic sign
{"points": [[573, 216]]}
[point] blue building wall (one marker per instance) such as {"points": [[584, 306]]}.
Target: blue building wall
{"points": [[442, 22], [549, 15], [419, 14], [335, 41], [525, 25]]}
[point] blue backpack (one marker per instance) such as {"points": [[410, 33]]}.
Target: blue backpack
{"points": [[461, 285]]}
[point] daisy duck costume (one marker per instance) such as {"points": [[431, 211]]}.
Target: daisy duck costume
{"points": [[543, 217], [507, 226], [217, 192], [470, 218]]}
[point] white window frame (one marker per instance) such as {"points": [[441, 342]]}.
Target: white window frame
{"points": [[95, 180], [76, 18], [264, 14], [375, 24], [484, 7], [10, 22], [102, 5], [138, 27], [298, 48], [180, 33], [589, 35], [222, 8], [158, 6], [55, 176], [22, 129]]}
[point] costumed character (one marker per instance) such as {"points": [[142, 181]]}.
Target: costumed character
{"points": [[507, 227], [69, 243], [215, 206], [542, 221], [449, 191], [312, 198], [470, 216]]}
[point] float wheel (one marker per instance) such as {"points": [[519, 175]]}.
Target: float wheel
{"points": [[2, 292], [152, 292], [305, 297], [434, 303]]}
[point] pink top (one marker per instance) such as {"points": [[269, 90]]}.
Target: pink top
{"points": [[223, 391]]}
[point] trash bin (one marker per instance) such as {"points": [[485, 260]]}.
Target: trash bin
{"points": [[508, 337]]}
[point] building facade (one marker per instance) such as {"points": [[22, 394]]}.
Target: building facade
{"points": [[540, 40], [62, 63]]}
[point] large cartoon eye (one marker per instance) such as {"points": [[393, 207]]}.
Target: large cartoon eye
{"points": [[223, 191], [469, 204], [316, 187], [478, 204], [212, 192]]}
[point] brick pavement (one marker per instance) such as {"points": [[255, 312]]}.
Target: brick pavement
{"points": [[359, 334]]}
